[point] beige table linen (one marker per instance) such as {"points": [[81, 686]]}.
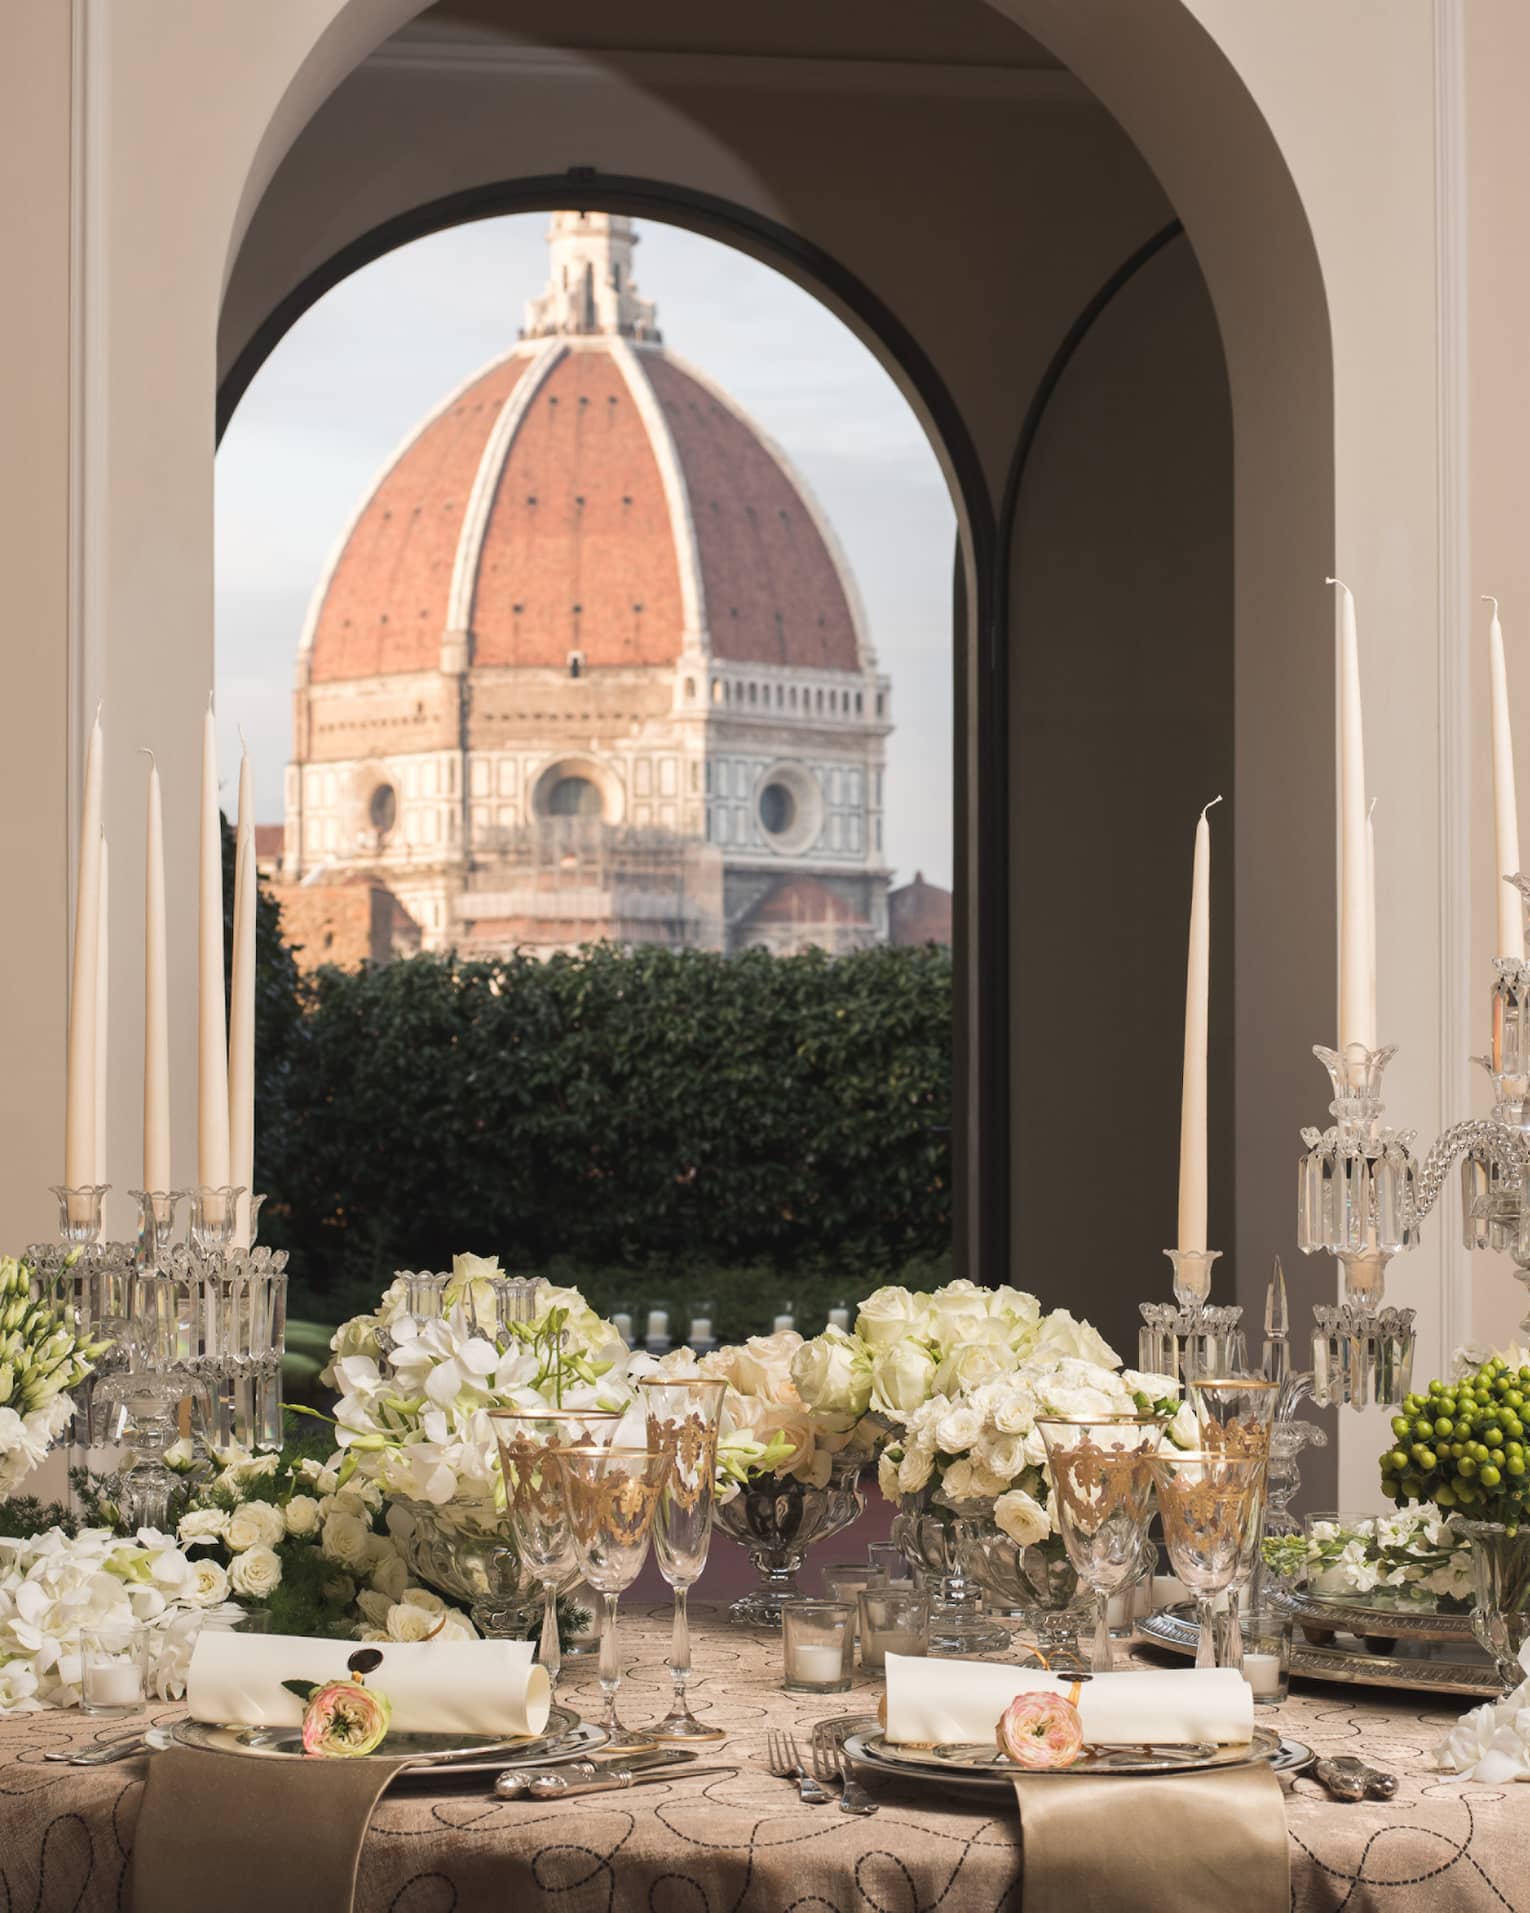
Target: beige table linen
{"points": [[744, 1844]]}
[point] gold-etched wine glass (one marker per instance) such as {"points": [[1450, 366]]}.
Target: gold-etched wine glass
{"points": [[1236, 1412], [1102, 1490], [683, 1418], [1212, 1505], [536, 1508], [612, 1494]]}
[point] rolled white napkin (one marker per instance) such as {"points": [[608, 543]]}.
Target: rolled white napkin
{"points": [[933, 1701], [434, 1687]]}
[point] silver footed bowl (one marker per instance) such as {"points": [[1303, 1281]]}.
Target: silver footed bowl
{"points": [[456, 1549], [777, 1518]]}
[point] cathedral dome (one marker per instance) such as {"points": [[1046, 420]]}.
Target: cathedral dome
{"points": [[588, 502]]}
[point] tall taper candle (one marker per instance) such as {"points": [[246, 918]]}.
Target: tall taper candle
{"points": [[1192, 1103], [103, 965], [1370, 906], [212, 1034], [156, 1001], [1511, 913], [80, 1085], [1357, 1004], [241, 1021]]}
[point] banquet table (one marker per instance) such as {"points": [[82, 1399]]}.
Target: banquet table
{"points": [[742, 1842]]}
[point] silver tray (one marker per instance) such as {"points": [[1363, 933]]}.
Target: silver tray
{"points": [[1425, 1666], [567, 1737], [984, 1770], [1325, 1614]]}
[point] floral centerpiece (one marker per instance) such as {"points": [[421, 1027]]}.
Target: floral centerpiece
{"points": [[1414, 1559], [41, 1359]]}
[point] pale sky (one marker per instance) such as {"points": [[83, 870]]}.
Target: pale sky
{"points": [[364, 366]]}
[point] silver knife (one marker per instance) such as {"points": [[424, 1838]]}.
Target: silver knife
{"points": [[564, 1786]]}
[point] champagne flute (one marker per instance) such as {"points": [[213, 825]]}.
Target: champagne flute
{"points": [[611, 1494], [1102, 1490], [1211, 1505], [536, 1509], [683, 1419]]}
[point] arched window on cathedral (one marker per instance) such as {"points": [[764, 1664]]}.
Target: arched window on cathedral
{"points": [[690, 690]]}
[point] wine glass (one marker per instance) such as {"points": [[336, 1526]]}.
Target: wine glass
{"points": [[1102, 1490], [683, 1419], [536, 1509], [1236, 1412], [611, 1494], [1211, 1505]]}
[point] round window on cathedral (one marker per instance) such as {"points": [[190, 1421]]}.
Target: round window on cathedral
{"points": [[383, 809], [574, 797], [778, 809]]}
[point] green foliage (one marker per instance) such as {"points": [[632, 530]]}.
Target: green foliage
{"points": [[655, 1121], [1465, 1445]]}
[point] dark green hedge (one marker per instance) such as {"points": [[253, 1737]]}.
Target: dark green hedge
{"points": [[647, 1111]]}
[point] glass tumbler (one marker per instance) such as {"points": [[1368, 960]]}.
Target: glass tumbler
{"points": [[894, 1620], [816, 1638], [114, 1668], [1267, 1655]]}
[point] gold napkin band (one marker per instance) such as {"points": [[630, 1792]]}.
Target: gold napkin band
{"points": [[1175, 1842], [249, 1835]]}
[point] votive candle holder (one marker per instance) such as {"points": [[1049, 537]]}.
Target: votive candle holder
{"points": [[894, 1620], [816, 1642]]}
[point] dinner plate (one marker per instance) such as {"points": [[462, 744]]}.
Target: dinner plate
{"points": [[566, 1737], [983, 1769]]}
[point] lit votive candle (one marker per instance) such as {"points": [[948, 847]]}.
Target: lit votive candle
{"points": [[701, 1328], [1262, 1672], [839, 1318], [783, 1321], [621, 1321], [815, 1644], [658, 1324], [1267, 1655], [113, 1667]]}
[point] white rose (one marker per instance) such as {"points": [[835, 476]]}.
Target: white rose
{"points": [[256, 1573], [390, 1575], [423, 1597], [207, 1586], [958, 1428], [346, 1538], [1003, 1456], [302, 1514], [902, 1378], [1014, 1409], [1015, 1308], [763, 1365], [914, 1470], [969, 1365], [254, 1524], [181, 1456], [832, 1374], [968, 1480], [374, 1607], [889, 1315], [409, 1623], [958, 1312], [1060, 1335], [1022, 1518], [202, 1524], [887, 1476]]}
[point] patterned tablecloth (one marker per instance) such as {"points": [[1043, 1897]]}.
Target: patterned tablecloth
{"points": [[742, 1842]]}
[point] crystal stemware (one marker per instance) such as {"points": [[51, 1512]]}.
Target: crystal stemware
{"points": [[1102, 1491], [1235, 1412], [683, 1419], [1211, 1506], [612, 1493], [536, 1507]]}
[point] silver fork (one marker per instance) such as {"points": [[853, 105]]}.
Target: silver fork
{"points": [[829, 1764], [784, 1761]]}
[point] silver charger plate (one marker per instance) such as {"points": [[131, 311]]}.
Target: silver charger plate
{"points": [[566, 1737], [979, 1769]]}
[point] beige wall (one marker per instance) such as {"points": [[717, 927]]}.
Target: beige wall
{"points": [[34, 675]]}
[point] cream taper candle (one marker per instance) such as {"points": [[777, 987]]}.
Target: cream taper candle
{"points": [[103, 967], [80, 1085], [1357, 1004], [156, 999], [1192, 1101], [241, 1020], [212, 1034], [1511, 915]]}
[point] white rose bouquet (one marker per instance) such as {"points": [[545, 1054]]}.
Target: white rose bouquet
{"points": [[951, 1384], [41, 1359]]}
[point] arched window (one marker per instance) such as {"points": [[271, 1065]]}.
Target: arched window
{"points": [[574, 797], [383, 809], [690, 690]]}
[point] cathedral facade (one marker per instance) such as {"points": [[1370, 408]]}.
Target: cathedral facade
{"points": [[588, 662]]}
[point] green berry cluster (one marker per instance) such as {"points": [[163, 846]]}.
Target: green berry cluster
{"points": [[1465, 1444]]}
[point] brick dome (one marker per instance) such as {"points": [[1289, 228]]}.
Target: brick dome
{"points": [[589, 496]]}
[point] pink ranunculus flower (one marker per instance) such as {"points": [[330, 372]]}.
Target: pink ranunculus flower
{"points": [[344, 1717], [1040, 1730]]}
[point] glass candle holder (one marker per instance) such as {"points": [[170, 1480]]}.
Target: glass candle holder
{"points": [[847, 1581], [1267, 1655], [889, 1563], [894, 1620], [114, 1668], [816, 1640]]}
